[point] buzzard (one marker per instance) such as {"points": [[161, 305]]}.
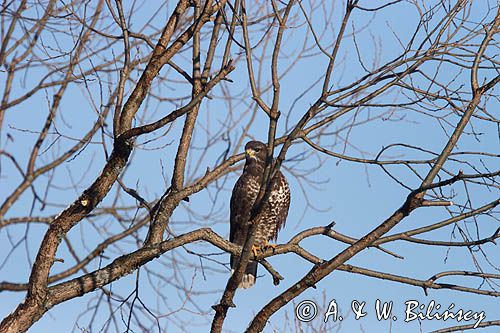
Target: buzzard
{"points": [[274, 210]]}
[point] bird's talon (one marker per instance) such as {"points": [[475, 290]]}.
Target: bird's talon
{"points": [[267, 245]]}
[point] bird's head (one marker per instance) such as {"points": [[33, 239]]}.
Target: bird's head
{"points": [[255, 152]]}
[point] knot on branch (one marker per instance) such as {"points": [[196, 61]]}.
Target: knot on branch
{"points": [[86, 202], [275, 115], [223, 305], [412, 202], [122, 146]]}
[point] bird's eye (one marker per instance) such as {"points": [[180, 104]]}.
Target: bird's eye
{"points": [[257, 150]]}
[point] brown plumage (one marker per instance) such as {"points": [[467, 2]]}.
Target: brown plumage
{"points": [[274, 211]]}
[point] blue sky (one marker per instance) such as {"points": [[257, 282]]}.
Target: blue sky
{"points": [[357, 197]]}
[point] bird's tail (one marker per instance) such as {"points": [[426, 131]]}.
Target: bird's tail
{"points": [[250, 275]]}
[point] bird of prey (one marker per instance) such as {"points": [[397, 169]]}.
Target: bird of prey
{"points": [[274, 210]]}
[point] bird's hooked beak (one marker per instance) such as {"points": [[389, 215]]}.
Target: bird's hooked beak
{"points": [[250, 153]]}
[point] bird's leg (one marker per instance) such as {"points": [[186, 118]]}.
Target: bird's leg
{"points": [[255, 249]]}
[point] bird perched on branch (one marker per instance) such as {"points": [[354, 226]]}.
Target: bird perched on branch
{"points": [[274, 210]]}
